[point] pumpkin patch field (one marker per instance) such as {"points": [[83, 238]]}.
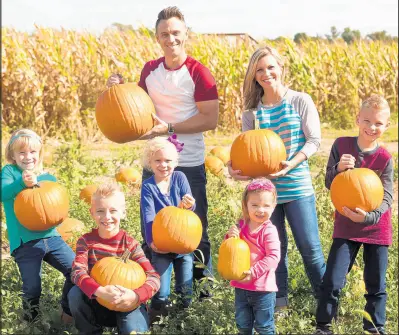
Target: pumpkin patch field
{"points": [[80, 165]]}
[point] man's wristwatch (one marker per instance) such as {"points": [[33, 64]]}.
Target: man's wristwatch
{"points": [[171, 129]]}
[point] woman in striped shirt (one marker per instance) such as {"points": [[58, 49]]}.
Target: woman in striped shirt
{"points": [[269, 104]]}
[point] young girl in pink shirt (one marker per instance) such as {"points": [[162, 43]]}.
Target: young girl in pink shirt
{"points": [[255, 295]]}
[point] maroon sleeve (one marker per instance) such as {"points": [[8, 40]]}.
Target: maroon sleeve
{"points": [[205, 84], [144, 74]]}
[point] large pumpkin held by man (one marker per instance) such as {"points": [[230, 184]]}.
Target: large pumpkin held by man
{"points": [[124, 112]]}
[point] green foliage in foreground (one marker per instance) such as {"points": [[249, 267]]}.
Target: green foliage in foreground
{"points": [[215, 316]]}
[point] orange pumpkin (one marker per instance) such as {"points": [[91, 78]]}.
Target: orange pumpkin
{"points": [[69, 229], [124, 112], [127, 175], [176, 230], [87, 192], [359, 187], [234, 258], [222, 153], [214, 165], [43, 207], [118, 271], [257, 153]]}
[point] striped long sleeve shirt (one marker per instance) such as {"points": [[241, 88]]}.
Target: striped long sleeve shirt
{"points": [[91, 248], [296, 120]]}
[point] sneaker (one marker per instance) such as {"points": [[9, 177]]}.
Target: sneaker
{"points": [[205, 295], [324, 330], [66, 319]]}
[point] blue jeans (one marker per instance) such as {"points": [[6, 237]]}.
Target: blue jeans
{"points": [[340, 260], [29, 257], [183, 267], [90, 316], [197, 180], [254, 310], [302, 218]]}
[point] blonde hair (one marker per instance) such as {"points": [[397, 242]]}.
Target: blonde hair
{"points": [[107, 190], [22, 139], [252, 90], [375, 101], [258, 186], [167, 13], [152, 146]]}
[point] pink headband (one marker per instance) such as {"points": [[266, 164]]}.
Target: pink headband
{"points": [[261, 184]]}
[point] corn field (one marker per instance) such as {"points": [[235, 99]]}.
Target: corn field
{"points": [[51, 78]]}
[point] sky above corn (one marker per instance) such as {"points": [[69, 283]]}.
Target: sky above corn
{"points": [[259, 18]]}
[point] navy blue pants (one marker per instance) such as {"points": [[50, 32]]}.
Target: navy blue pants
{"points": [[340, 260]]}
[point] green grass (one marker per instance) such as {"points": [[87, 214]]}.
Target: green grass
{"points": [[78, 166]]}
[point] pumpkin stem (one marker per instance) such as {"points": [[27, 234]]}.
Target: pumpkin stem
{"points": [[126, 255], [36, 185]]}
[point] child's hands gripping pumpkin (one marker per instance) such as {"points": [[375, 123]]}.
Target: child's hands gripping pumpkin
{"points": [[233, 232], [29, 178], [359, 215], [108, 292], [127, 298], [187, 202], [247, 278], [346, 162]]}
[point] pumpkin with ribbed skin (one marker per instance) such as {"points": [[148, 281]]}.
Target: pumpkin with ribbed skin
{"points": [[357, 188], [124, 112], [214, 165], [222, 153], [234, 258], [87, 192], [127, 175], [42, 207], [118, 271], [257, 153], [70, 230], [176, 230]]}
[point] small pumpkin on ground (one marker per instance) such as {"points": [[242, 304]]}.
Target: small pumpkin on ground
{"points": [[257, 153], [222, 153], [127, 175], [176, 230], [87, 192], [118, 271], [359, 187], [214, 165], [70, 230], [43, 206], [124, 112], [234, 258]]}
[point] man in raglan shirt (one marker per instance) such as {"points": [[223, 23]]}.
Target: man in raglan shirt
{"points": [[185, 97]]}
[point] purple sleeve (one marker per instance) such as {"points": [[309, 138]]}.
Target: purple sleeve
{"points": [[147, 208], [387, 182], [185, 188], [332, 165]]}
